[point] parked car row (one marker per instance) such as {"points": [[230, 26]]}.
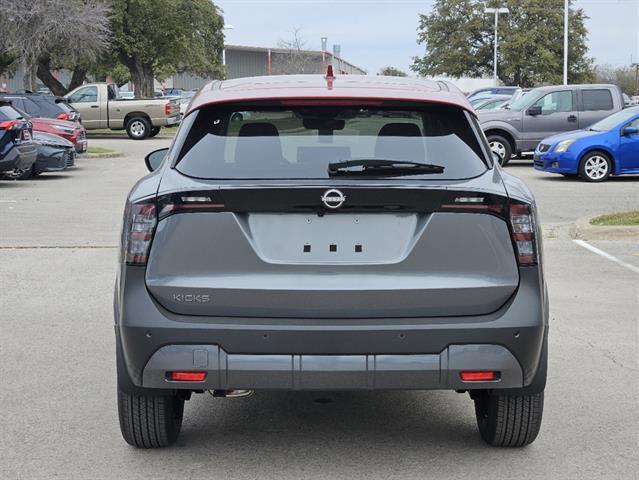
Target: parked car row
{"points": [[590, 131], [44, 140]]}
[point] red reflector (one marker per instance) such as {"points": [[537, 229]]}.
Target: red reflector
{"points": [[477, 376], [187, 376]]}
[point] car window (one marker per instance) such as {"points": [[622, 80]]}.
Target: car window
{"points": [[48, 107], [85, 95], [17, 102], [615, 120], [600, 99], [31, 107], [634, 123], [300, 142], [504, 91], [555, 102]]}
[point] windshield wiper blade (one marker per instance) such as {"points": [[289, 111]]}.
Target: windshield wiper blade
{"points": [[377, 166]]}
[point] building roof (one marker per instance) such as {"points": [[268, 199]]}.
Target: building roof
{"points": [[318, 87], [265, 50]]}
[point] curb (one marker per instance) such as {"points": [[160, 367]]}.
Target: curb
{"points": [[583, 230], [100, 155]]}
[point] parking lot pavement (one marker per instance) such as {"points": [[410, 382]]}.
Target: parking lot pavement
{"points": [[59, 414]]}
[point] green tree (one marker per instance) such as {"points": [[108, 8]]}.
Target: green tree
{"points": [[459, 41], [163, 37], [392, 72], [624, 77]]}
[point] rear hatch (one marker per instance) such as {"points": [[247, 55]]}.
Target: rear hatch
{"points": [[352, 245]]}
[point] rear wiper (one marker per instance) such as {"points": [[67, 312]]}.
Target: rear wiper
{"points": [[376, 166]]}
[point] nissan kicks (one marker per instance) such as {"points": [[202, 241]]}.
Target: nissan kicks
{"points": [[330, 233]]}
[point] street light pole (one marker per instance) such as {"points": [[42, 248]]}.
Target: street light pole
{"points": [[566, 11], [496, 11], [324, 41]]}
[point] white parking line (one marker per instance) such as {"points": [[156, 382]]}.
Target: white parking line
{"points": [[603, 254]]}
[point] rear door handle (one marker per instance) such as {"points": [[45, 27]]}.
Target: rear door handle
{"points": [[95, 106], [572, 118]]}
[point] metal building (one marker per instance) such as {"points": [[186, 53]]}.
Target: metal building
{"points": [[243, 61]]}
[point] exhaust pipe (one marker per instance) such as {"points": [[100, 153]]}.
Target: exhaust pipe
{"points": [[231, 393]]}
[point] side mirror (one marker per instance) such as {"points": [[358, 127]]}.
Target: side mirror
{"points": [[534, 110], [154, 159], [630, 131]]}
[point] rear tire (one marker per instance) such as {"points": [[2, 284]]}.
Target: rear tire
{"points": [[138, 128], [154, 131], [509, 420], [501, 146], [150, 421]]}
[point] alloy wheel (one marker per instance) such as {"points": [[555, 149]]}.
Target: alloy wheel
{"points": [[596, 167], [498, 148]]}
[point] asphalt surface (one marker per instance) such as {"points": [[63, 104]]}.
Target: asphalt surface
{"points": [[58, 235]]}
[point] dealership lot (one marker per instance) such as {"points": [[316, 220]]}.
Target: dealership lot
{"points": [[58, 237]]}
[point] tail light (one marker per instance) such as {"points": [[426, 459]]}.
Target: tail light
{"points": [[519, 216], [184, 202], [139, 227], [10, 125], [63, 116], [523, 228], [167, 109]]}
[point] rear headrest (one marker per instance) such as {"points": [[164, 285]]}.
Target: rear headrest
{"points": [[400, 130], [263, 153], [258, 129], [389, 146]]}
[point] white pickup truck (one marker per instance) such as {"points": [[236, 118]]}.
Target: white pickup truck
{"points": [[100, 106]]}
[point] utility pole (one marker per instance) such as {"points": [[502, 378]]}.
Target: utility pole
{"points": [[496, 11], [636, 65], [566, 12]]}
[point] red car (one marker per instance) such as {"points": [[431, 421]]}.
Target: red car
{"points": [[71, 131]]}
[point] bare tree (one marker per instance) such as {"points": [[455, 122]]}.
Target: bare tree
{"points": [[293, 59], [69, 32]]}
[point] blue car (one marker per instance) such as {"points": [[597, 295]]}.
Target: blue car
{"points": [[608, 147]]}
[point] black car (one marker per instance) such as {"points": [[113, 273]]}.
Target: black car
{"points": [[54, 153], [37, 105], [17, 151]]}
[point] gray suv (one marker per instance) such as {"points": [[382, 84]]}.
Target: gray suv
{"points": [[547, 111], [321, 233]]}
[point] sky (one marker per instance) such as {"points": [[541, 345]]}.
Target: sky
{"points": [[377, 33]]}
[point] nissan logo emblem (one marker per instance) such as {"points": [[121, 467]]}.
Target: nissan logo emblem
{"points": [[333, 198]]}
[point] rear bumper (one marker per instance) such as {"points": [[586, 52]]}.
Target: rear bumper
{"points": [[419, 353], [226, 371], [19, 157]]}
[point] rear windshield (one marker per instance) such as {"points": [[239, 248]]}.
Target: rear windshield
{"points": [[9, 113], [301, 142]]}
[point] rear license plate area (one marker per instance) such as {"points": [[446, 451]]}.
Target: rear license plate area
{"points": [[333, 238]]}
